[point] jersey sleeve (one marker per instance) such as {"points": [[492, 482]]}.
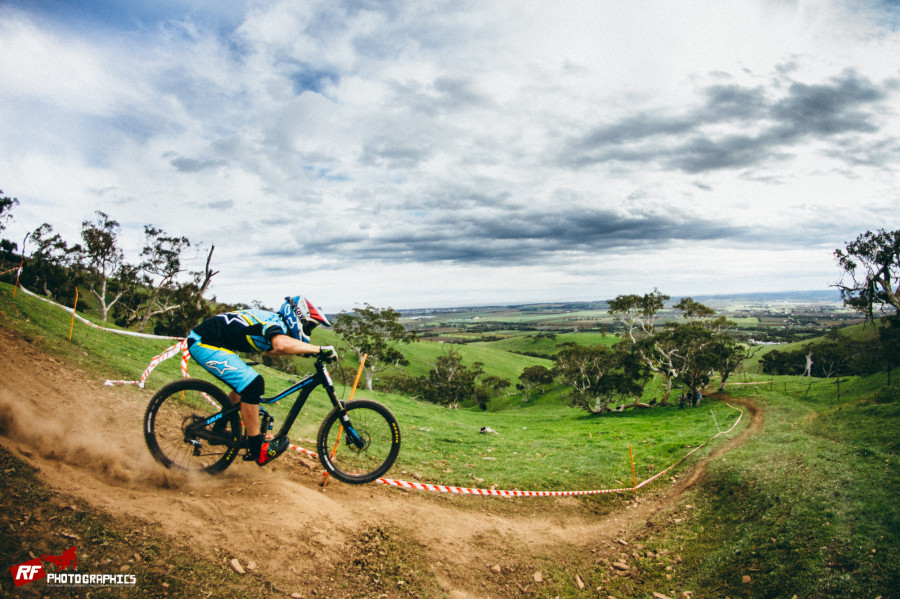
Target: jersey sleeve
{"points": [[271, 328]]}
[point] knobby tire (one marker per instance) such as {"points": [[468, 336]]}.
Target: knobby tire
{"points": [[378, 428]]}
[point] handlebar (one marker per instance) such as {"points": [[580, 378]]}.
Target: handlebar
{"points": [[320, 359], [327, 353]]}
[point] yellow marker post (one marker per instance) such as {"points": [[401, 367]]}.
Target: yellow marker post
{"points": [[72, 324], [18, 273], [633, 475], [362, 363]]}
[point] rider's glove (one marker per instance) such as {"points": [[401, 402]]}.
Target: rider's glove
{"points": [[327, 353]]}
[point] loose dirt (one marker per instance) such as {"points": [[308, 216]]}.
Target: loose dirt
{"points": [[86, 441]]}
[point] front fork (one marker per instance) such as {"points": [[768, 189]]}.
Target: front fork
{"points": [[353, 437]]}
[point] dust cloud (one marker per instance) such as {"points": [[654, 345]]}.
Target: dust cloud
{"points": [[80, 440]]}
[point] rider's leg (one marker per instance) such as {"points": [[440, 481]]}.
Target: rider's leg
{"points": [[250, 416], [228, 367], [259, 449], [249, 397], [249, 413], [235, 398], [248, 388]]}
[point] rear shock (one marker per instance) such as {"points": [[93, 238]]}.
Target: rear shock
{"points": [[266, 422]]}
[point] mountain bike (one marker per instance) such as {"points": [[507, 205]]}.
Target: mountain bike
{"points": [[191, 425]]}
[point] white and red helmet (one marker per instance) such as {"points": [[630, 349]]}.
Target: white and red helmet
{"points": [[301, 317]]}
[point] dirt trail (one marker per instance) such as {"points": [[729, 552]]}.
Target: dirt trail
{"points": [[85, 439]]}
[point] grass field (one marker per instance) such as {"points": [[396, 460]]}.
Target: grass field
{"points": [[532, 344], [809, 507]]}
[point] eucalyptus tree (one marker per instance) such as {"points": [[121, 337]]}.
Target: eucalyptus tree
{"points": [[872, 263], [728, 355], [6, 206], [595, 373], [107, 273], [7, 248], [450, 382], [155, 291], [51, 267], [534, 378], [638, 312], [377, 333]]}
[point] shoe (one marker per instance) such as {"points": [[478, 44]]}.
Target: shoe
{"points": [[254, 442], [272, 449], [263, 451]]}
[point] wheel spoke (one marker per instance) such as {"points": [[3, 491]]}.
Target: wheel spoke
{"points": [[172, 421]]}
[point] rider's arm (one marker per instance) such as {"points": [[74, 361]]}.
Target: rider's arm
{"points": [[285, 345]]}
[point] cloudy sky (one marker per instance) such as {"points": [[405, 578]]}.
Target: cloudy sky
{"points": [[432, 153]]}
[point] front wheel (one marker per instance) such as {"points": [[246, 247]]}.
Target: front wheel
{"points": [[173, 432], [361, 446]]}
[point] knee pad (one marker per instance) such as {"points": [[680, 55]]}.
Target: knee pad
{"points": [[254, 391]]}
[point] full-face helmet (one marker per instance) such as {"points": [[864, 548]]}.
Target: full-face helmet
{"points": [[301, 317]]}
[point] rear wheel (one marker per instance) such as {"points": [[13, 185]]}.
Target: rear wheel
{"points": [[361, 448], [174, 435]]}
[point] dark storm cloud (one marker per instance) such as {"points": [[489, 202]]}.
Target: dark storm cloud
{"points": [[825, 110], [760, 129], [498, 237]]}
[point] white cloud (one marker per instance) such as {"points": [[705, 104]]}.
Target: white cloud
{"points": [[492, 151]]}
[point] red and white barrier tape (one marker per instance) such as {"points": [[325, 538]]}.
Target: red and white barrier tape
{"points": [[467, 491], [491, 492], [302, 450], [180, 347]]}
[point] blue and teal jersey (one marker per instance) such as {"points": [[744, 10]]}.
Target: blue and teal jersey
{"points": [[242, 330]]}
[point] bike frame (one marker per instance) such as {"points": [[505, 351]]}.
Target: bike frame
{"points": [[304, 388]]}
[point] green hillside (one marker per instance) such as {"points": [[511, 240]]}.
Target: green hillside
{"points": [[497, 362], [544, 345], [858, 332], [806, 506]]}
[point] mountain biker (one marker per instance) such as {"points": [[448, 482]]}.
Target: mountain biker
{"points": [[214, 343]]}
